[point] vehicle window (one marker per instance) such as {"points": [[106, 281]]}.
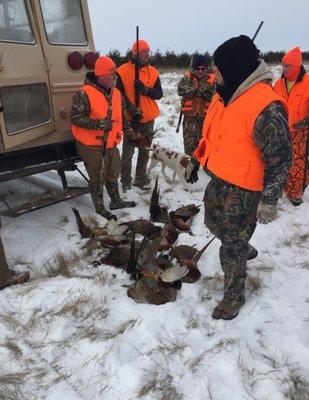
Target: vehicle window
{"points": [[64, 22], [14, 22], [25, 107]]}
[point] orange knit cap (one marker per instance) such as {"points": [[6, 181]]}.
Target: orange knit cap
{"points": [[142, 45], [293, 57], [104, 66]]}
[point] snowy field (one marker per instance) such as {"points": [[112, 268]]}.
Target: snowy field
{"points": [[72, 333]]}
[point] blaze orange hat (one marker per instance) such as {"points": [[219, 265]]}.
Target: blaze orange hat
{"points": [[104, 66], [293, 57], [142, 45]]}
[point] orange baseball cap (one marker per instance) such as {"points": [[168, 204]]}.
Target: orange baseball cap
{"points": [[104, 66], [142, 45]]}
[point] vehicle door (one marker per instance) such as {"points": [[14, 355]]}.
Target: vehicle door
{"points": [[66, 32], [25, 102]]}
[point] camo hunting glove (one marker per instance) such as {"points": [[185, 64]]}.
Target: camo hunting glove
{"points": [[267, 213]]}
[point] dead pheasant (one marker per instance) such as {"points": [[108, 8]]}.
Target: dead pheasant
{"points": [[141, 226], [113, 240], [185, 212], [168, 237], [181, 225], [192, 262], [116, 256], [189, 256], [143, 263], [157, 212], [84, 230], [183, 251]]}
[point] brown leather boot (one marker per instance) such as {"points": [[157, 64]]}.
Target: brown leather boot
{"points": [[14, 278]]}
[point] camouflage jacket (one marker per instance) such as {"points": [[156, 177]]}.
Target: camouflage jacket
{"points": [[81, 108], [272, 135], [187, 88]]}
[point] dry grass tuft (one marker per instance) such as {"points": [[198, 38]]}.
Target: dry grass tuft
{"points": [[93, 333], [161, 383], [293, 237], [9, 392], [12, 346], [297, 387], [171, 345], [15, 379], [254, 283], [150, 386], [61, 263]]}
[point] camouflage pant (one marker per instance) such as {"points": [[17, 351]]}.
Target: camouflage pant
{"points": [[143, 155], [230, 214], [4, 269], [192, 132], [110, 173]]}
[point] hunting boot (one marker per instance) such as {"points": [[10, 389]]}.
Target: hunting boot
{"points": [[233, 299], [126, 187], [8, 277], [13, 278], [97, 199], [143, 184], [116, 202], [252, 252]]}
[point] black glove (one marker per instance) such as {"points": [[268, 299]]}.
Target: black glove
{"points": [[191, 172], [106, 124], [139, 86], [136, 113]]}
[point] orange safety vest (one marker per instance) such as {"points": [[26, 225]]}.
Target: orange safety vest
{"points": [[227, 147], [99, 108], [193, 105], [297, 99], [148, 75]]}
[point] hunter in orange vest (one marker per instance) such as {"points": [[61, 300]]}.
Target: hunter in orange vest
{"points": [[294, 88], [196, 88], [245, 149], [98, 121], [141, 95]]}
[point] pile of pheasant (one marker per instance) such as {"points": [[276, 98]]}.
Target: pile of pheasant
{"points": [[149, 253]]}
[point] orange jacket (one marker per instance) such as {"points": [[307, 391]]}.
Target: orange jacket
{"points": [[99, 109], [193, 105], [297, 99], [148, 75], [227, 147]]}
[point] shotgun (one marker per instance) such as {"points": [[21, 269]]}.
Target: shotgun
{"points": [[181, 113], [137, 94]]}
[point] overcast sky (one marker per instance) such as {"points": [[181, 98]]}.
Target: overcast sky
{"points": [[189, 25]]}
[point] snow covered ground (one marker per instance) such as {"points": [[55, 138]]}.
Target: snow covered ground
{"points": [[73, 333]]}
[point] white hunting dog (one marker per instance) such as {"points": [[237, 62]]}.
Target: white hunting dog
{"points": [[180, 163]]}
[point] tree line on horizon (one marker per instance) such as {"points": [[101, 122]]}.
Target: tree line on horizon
{"points": [[171, 59]]}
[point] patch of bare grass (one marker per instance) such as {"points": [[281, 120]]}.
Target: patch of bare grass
{"points": [[171, 345], [12, 346], [254, 284], [61, 263], [161, 384]]}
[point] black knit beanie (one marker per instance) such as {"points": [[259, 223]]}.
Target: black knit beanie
{"points": [[236, 59], [198, 60]]}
